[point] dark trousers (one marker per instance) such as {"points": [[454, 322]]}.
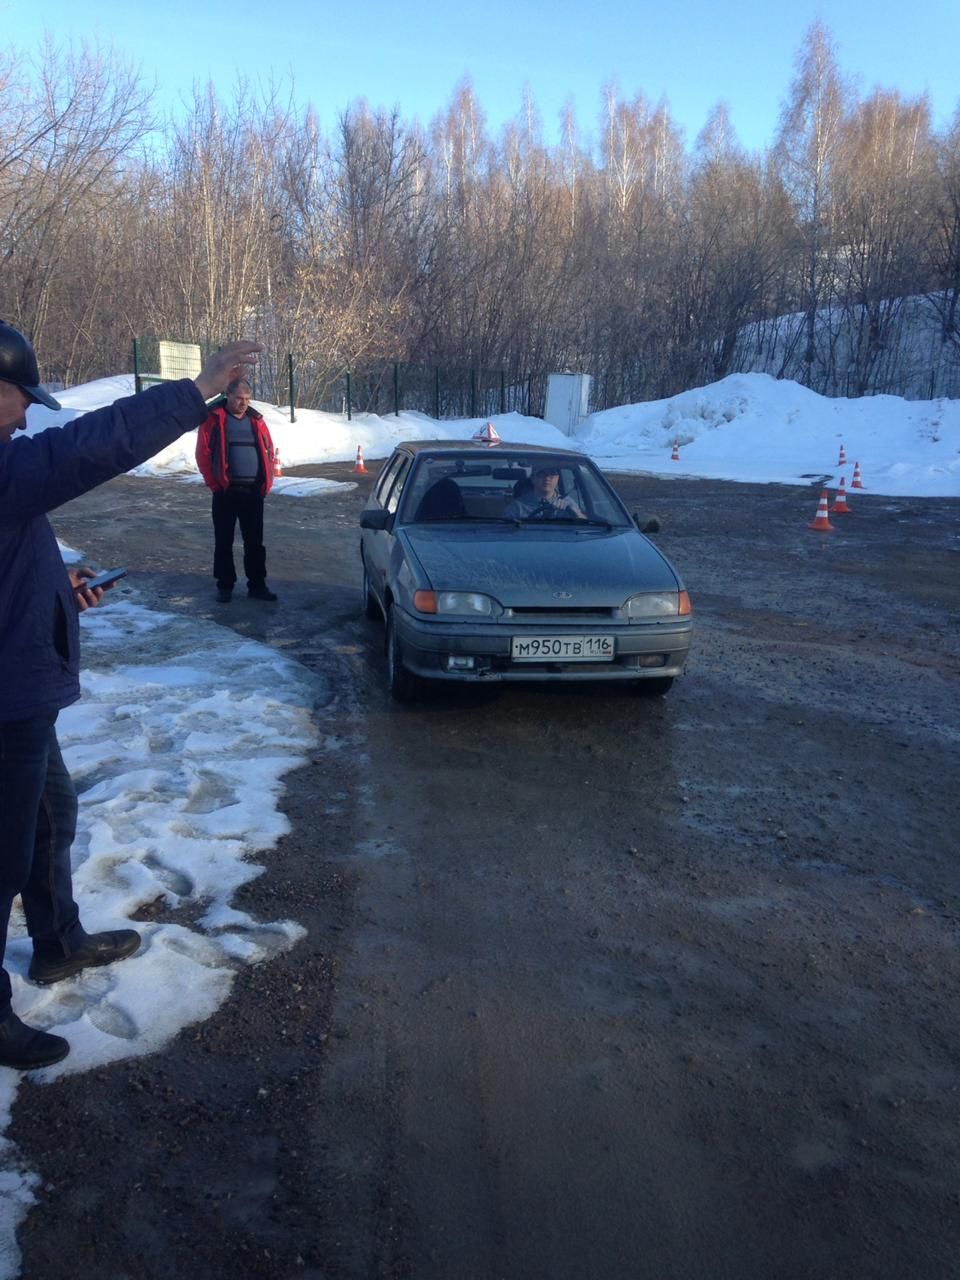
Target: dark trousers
{"points": [[38, 821], [243, 503]]}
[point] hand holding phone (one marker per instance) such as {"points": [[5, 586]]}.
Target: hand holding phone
{"points": [[105, 579]]}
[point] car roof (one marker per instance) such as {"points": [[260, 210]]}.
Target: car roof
{"points": [[492, 450]]}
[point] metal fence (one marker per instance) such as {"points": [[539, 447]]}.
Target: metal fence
{"points": [[166, 359], [302, 381]]}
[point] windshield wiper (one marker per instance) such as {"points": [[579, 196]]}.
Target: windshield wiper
{"points": [[560, 522], [456, 519]]}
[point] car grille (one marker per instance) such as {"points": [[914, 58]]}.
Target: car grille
{"points": [[562, 614]]}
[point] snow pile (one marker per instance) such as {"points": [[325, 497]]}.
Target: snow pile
{"points": [[747, 427], [751, 427]]}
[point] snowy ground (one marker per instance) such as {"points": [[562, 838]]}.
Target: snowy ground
{"points": [[748, 427], [180, 767]]}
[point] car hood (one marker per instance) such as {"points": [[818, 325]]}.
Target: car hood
{"points": [[529, 565]]}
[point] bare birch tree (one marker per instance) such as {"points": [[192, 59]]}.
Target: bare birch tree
{"points": [[806, 150]]}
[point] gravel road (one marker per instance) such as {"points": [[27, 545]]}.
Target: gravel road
{"points": [[595, 986]]}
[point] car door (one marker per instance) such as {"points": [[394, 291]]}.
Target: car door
{"points": [[378, 543]]}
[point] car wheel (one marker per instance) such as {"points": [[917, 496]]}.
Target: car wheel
{"points": [[404, 685], [654, 688], [369, 600]]}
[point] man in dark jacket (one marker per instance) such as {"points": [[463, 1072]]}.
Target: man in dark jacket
{"points": [[40, 603], [236, 459]]}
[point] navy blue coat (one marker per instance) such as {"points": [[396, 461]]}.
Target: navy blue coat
{"points": [[39, 619]]}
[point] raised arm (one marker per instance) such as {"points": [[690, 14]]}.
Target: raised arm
{"points": [[44, 471]]}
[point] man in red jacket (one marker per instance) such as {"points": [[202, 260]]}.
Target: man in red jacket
{"points": [[235, 455]]}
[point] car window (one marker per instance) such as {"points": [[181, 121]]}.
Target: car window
{"points": [[393, 497], [599, 501], [447, 486], [387, 477]]}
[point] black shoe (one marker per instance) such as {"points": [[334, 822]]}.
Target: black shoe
{"points": [[224, 595], [261, 593], [96, 949], [24, 1047]]}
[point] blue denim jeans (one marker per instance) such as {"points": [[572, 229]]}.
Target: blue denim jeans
{"points": [[38, 822]]}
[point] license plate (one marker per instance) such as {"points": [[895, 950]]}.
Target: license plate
{"points": [[563, 648]]}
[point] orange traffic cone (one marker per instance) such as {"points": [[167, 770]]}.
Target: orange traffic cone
{"points": [[822, 521], [675, 456], [842, 460], [358, 465], [277, 468], [840, 507], [857, 482], [487, 435]]}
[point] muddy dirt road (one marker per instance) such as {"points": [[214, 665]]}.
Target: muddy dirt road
{"points": [[594, 986]]}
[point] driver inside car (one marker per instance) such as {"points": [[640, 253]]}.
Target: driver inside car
{"points": [[540, 499]]}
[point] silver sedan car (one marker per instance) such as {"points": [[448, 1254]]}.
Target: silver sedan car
{"points": [[516, 563]]}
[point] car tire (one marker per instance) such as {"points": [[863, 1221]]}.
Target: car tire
{"points": [[369, 600], [656, 687], [404, 685]]}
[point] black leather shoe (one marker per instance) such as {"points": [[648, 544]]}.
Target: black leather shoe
{"points": [[96, 949], [261, 593], [23, 1047], [224, 595]]}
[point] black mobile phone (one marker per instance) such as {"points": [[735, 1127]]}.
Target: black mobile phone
{"points": [[103, 579]]}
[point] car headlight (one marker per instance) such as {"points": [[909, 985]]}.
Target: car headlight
{"points": [[658, 604], [463, 604]]}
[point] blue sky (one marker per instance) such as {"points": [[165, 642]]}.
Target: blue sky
{"points": [[413, 56]]}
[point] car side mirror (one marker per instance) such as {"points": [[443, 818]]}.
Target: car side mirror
{"points": [[648, 524], [377, 518]]}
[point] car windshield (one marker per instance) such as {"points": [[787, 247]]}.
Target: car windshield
{"points": [[514, 489]]}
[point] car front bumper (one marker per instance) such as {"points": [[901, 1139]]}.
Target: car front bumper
{"points": [[647, 650]]}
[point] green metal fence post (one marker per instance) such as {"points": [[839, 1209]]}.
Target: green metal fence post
{"points": [[473, 393], [137, 384], [396, 391], [293, 416], [349, 408], [503, 392], [436, 393]]}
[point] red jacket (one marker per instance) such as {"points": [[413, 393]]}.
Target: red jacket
{"points": [[212, 449]]}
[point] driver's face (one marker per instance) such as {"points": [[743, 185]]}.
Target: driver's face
{"points": [[545, 483]]}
